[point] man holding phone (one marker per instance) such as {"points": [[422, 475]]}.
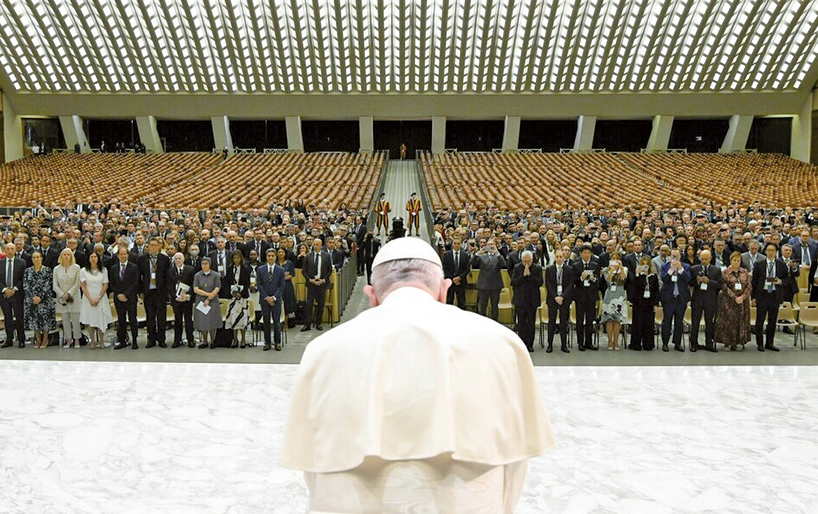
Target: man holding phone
{"points": [[586, 294], [768, 281], [674, 295]]}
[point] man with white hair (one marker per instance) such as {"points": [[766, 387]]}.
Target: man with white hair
{"points": [[526, 279], [414, 405]]}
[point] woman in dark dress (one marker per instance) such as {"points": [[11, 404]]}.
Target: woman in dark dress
{"points": [[38, 308], [300, 255], [644, 295], [690, 257], [289, 289], [733, 318]]}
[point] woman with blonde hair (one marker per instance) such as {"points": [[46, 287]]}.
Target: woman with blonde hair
{"points": [[615, 302], [66, 289]]}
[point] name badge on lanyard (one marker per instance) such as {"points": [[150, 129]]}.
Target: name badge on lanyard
{"points": [[738, 286], [559, 290], [646, 294], [674, 278], [613, 287], [703, 286]]}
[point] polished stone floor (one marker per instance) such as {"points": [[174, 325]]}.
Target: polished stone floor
{"points": [[127, 437]]}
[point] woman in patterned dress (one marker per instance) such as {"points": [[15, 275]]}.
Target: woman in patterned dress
{"points": [[38, 309], [237, 279], [615, 302], [733, 318]]}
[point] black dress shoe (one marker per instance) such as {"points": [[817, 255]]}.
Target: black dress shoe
{"points": [[134, 346], [679, 348], [550, 348], [212, 346], [202, 345], [711, 348], [530, 349], [319, 327], [591, 347], [278, 347], [761, 347], [163, 345], [267, 347], [120, 346], [177, 344], [565, 349], [772, 348], [6, 344], [21, 345], [191, 344], [664, 347], [150, 345], [694, 348], [305, 328], [582, 347]]}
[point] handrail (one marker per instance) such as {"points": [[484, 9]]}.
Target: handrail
{"points": [[424, 197], [378, 189]]}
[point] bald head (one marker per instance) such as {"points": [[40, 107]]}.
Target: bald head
{"points": [[705, 257]]}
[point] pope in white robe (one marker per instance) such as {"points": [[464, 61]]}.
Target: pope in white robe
{"points": [[415, 405]]}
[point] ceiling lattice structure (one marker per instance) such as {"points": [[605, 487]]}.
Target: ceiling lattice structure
{"points": [[407, 46]]}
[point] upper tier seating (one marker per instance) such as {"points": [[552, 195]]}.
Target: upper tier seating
{"points": [[594, 180], [198, 180]]}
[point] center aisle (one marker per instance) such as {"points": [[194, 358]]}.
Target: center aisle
{"points": [[401, 181]]}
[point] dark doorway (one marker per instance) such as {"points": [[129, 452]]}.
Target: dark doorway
{"points": [[112, 132], [550, 135], [39, 131], [700, 136], [186, 135], [417, 135], [771, 135], [258, 134], [474, 135], [331, 136], [622, 135]]}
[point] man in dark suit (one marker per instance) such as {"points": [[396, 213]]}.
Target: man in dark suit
{"points": [[768, 290], [559, 286], [526, 281], [513, 255], [790, 284], [194, 259], [805, 253], [586, 293], [456, 268], [124, 279], [317, 270], [631, 261], [181, 299], [79, 256], [50, 254], [706, 279], [220, 260], [257, 244], [371, 245], [11, 301], [489, 282], [675, 294], [721, 255], [359, 233], [270, 283], [153, 270]]}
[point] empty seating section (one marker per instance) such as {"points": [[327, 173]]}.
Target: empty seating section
{"points": [[593, 180], [198, 180], [324, 179], [60, 178]]}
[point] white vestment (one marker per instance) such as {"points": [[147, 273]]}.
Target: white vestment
{"points": [[415, 406]]}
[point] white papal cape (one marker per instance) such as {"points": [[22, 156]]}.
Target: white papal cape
{"points": [[414, 381]]}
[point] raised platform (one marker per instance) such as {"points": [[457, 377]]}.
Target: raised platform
{"points": [[205, 438]]}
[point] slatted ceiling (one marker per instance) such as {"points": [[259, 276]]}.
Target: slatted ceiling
{"points": [[402, 46]]}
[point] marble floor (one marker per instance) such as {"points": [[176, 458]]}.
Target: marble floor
{"points": [[134, 437]]}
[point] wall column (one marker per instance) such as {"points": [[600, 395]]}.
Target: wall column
{"points": [[295, 141], [660, 133], [586, 125], [221, 134], [438, 134], [366, 133], [148, 134], [12, 132], [511, 134], [737, 134], [74, 132], [800, 140]]}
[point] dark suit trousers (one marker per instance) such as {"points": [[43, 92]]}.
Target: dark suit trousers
{"points": [[369, 272], [644, 321], [525, 323], [315, 294], [273, 312], [708, 307], [586, 312], [484, 296], [183, 316], [555, 309], [157, 314], [766, 308], [673, 321], [126, 311], [458, 292], [360, 253], [13, 312]]}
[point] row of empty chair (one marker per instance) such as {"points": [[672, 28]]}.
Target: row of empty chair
{"points": [[593, 180], [62, 178], [198, 180], [326, 180]]}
